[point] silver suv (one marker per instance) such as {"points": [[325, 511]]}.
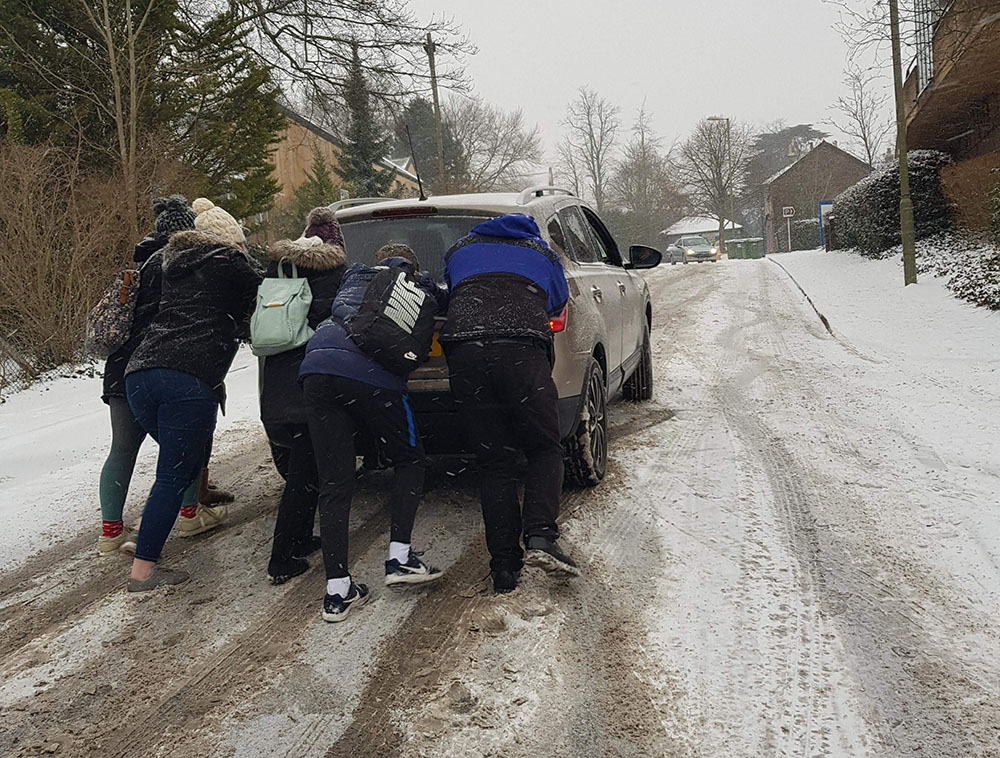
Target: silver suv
{"points": [[601, 339]]}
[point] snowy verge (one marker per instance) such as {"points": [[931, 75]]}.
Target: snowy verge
{"points": [[54, 437], [970, 267]]}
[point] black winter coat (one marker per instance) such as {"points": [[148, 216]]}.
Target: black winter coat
{"points": [[208, 293], [280, 394], [147, 255]]}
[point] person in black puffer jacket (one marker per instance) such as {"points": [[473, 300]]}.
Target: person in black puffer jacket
{"points": [[172, 215], [174, 381], [319, 257]]}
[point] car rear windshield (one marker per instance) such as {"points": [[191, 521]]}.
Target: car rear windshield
{"points": [[428, 236]]}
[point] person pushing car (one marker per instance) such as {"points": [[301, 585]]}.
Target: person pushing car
{"points": [[505, 284]]}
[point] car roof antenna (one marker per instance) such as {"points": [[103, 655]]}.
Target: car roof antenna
{"points": [[413, 157]]}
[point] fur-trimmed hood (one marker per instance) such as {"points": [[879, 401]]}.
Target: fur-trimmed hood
{"points": [[189, 250], [309, 252]]}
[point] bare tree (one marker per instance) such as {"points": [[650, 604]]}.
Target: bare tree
{"points": [[712, 165], [568, 169], [591, 133], [643, 184], [496, 143], [863, 114], [308, 43], [118, 62]]}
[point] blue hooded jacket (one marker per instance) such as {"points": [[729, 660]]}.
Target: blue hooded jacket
{"points": [[331, 350], [504, 282]]}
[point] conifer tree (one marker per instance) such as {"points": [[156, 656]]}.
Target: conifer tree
{"points": [[318, 189], [366, 142]]}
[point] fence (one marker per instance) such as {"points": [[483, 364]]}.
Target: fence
{"points": [[16, 371]]}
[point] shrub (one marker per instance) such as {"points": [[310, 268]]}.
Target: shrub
{"points": [[995, 207], [805, 234], [61, 236], [969, 266], [868, 212]]}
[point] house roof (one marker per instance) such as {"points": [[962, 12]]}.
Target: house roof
{"points": [[797, 161], [697, 225], [330, 137]]}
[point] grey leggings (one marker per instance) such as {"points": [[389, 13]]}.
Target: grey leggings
{"points": [[126, 439]]}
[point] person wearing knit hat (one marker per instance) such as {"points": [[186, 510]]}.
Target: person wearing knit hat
{"points": [[322, 222], [212, 219], [173, 214], [175, 379]]}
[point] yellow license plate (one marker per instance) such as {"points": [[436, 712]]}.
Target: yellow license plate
{"points": [[436, 347]]}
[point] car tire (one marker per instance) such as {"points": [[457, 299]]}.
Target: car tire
{"points": [[586, 452], [639, 386]]}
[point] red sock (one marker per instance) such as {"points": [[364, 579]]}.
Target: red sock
{"points": [[188, 511], [111, 528]]}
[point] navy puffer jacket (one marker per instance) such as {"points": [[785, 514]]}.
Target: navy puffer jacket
{"points": [[332, 351]]}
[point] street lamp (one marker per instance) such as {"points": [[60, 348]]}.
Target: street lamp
{"points": [[732, 183]]}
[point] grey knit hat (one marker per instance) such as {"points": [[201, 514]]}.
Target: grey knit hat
{"points": [[172, 214]]}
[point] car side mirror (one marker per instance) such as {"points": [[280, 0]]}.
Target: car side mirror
{"points": [[643, 256]]}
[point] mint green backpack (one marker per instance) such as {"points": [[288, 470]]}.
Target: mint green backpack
{"points": [[280, 321]]}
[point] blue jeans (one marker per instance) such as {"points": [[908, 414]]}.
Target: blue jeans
{"points": [[178, 411]]}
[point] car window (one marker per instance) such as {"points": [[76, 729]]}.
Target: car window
{"points": [[428, 236], [581, 242], [607, 249], [556, 237]]}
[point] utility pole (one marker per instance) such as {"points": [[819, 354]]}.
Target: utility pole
{"points": [[906, 225], [429, 48]]}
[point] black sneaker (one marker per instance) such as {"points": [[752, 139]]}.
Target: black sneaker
{"points": [[543, 553], [336, 608], [307, 548], [505, 581], [414, 571], [279, 572]]}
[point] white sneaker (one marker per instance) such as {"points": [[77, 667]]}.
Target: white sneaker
{"points": [[124, 542], [205, 518]]}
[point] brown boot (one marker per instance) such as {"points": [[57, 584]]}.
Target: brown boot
{"points": [[209, 494]]}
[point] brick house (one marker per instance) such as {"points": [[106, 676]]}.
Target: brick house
{"points": [[819, 175], [952, 98]]}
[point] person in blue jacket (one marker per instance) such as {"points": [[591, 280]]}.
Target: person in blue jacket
{"points": [[346, 392], [505, 284]]}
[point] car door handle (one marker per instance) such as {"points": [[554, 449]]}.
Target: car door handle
{"points": [[621, 288], [596, 291]]}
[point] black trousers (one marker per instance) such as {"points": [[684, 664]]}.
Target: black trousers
{"points": [[340, 409], [291, 448], [509, 402]]}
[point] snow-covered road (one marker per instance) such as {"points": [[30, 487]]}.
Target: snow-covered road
{"points": [[796, 552]]}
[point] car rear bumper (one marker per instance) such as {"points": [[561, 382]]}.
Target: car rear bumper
{"points": [[441, 428]]}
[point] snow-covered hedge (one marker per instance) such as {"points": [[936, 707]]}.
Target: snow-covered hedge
{"points": [[995, 207], [805, 234], [970, 267], [867, 214]]}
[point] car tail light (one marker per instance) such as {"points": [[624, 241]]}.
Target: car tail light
{"points": [[558, 323]]}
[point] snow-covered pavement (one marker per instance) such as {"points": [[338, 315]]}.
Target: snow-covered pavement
{"points": [[796, 552]]}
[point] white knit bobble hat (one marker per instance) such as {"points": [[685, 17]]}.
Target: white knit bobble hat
{"points": [[212, 219]]}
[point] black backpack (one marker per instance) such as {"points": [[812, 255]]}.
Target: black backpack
{"points": [[395, 322]]}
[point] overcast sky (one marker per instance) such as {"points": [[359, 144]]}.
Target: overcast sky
{"points": [[753, 60]]}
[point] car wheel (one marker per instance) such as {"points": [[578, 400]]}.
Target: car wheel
{"points": [[586, 453], [639, 386]]}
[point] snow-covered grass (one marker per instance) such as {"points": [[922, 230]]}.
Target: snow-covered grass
{"points": [[54, 437], [970, 267]]}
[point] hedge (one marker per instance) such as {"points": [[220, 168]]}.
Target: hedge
{"points": [[867, 214]]}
